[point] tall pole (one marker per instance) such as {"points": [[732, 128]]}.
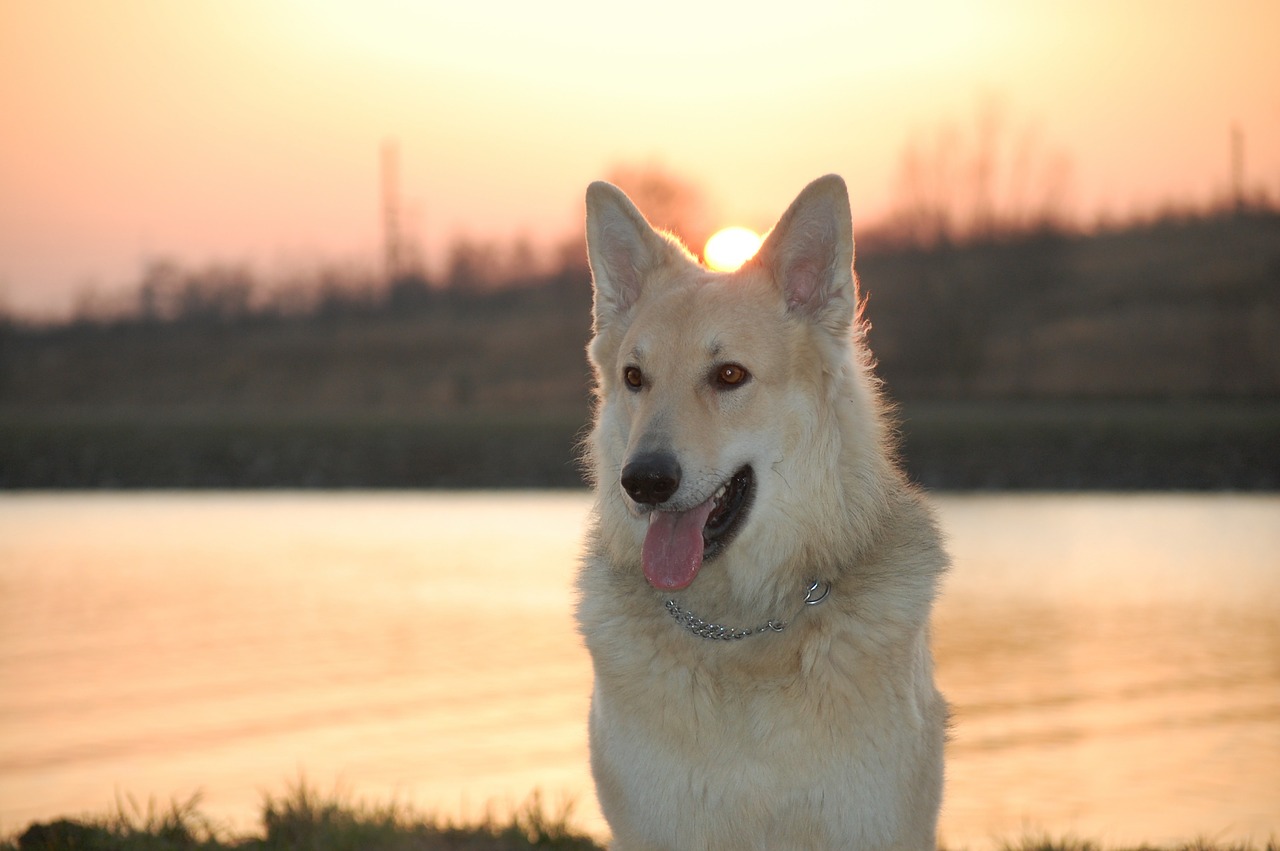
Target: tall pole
{"points": [[391, 241]]}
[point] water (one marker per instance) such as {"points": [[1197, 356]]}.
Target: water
{"points": [[1113, 661]]}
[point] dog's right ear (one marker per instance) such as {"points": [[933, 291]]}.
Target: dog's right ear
{"points": [[622, 248]]}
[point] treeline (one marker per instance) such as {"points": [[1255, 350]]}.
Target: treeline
{"points": [[1177, 308], [167, 291], [1142, 357]]}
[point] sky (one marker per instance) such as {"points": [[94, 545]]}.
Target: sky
{"points": [[250, 131]]}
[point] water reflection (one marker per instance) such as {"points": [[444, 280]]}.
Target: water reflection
{"points": [[1115, 666], [1113, 662]]}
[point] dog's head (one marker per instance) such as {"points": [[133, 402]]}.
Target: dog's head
{"points": [[720, 395]]}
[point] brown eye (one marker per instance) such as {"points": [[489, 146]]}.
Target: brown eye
{"points": [[633, 377], [731, 375]]}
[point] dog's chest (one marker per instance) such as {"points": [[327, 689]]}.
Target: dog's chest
{"points": [[742, 706], [711, 760]]}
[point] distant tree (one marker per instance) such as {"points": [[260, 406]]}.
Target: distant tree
{"points": [[167, 292], [669, 201], [408, 292], [522, 263], [219, 292], [161, 280], [472, 265], [570, 258], [92, 306], [489, 266], [979, 183], [340, 290]]}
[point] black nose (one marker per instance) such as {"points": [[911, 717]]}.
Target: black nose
{"points": [[651, 478]]}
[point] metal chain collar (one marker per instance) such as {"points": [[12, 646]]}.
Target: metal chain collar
{"points": [[816, 593]]}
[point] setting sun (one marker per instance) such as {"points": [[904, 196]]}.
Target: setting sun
{"points": [[729, 248]]}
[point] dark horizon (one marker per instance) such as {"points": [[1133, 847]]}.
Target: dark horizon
{"points": [[1134, 359]]}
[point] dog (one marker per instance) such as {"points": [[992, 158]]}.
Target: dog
{"points": [[758, 574]]}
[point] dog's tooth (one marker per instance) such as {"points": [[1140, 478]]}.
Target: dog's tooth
{"points": [[720, 493]]}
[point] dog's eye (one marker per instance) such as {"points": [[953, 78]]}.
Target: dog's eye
{"points": [[730, 375], [633, 377]]}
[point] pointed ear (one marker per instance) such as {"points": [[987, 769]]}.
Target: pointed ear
{"points": [[622, 249], [810, 254]]}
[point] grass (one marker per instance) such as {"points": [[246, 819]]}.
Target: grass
{"points": [[1047, 844], [306, 820]]}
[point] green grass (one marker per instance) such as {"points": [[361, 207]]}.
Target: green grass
{"points": [[306, 820]]}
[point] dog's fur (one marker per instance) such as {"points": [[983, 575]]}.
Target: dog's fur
{"points": [[829, 733]]}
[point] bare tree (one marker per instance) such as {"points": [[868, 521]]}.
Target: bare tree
{"points": [[977, 183], [669, 201], [219, 291], [472, 265]]}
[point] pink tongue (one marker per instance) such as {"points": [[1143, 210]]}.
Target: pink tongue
{"points": [[673, 546]]}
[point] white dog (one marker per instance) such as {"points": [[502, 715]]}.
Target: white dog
{"points": [[758, 574]]}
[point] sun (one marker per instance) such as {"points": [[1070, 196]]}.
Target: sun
{"points": [[729, 248]]}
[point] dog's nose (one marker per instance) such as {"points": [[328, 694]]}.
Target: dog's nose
{"points": [[652, 478]]}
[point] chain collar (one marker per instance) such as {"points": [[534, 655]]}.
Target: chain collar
{"points": [[816, 593]]}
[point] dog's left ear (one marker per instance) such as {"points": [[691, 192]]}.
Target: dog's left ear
{"points": [[810, 254]]}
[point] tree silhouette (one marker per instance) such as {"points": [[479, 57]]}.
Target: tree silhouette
{"points": [[670, 202], [982, 182], [220, 292]]}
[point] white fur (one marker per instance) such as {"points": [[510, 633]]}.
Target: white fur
{"points": [[829, 734]]}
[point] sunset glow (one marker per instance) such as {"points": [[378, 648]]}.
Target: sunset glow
{"points": [[729, 248], [249, 131]]}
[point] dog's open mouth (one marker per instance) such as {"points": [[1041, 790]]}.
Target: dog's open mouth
{"points": [[678, 542]]}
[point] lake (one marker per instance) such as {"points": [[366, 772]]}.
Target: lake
{"points": [[1113, 661]]}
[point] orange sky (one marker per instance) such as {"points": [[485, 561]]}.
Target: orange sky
{"points": [[249, 130]]}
